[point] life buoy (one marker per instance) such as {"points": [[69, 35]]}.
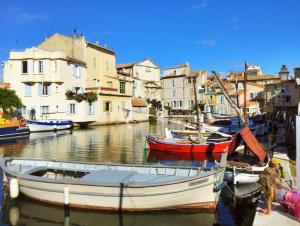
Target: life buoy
{"points": [[22, 122]]}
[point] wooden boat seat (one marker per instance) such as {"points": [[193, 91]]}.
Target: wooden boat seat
{"points": [[116, 176]]}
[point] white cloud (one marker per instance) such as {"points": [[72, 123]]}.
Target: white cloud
{"points": [[207, 42], [25, 16], [199, 6]]}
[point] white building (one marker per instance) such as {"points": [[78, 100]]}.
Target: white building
{"points": [[41, 79], [178, 88]]}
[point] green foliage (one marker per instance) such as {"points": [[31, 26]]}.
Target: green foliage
{"points": [[91, 97], [70, 95], [79, 97], [9, 100], [88, 97], [152, 112]]}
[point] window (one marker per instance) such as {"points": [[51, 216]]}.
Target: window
{"points": [[174, 93], [110, 84], [174, 104], [76, 70], [107, 65], [94, 62], [123, 104], [56, 89], [45, 90], [24, 67], [180, 103], [27, 90], [189, 80], [174, 72], [173, 82], [122, 87], [90, 109], [107, 106], [72, 108], [40, 67], [253, 95], [44, 110], [222, 99]]}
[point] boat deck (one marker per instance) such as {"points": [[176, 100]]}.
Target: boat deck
{"points": [[102, 173]]}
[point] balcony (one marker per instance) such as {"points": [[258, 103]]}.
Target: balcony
{"points": [[35, 78]]}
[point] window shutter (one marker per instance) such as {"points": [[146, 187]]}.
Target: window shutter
{"points": [[35, 67], [49, 90], [104, 106], [110, 106], [40, 89]]}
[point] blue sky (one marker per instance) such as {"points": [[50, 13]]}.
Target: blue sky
{"points": [[209, 34]]}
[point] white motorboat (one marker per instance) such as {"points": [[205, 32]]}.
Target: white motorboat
{"points": [[49, 125]]}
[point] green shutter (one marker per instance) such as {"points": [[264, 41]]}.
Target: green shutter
{"points": [[110, 106], [104, 106]]}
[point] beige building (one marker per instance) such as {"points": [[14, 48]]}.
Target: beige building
{"points": [[146, 76], [178, 89], [115, 90]]}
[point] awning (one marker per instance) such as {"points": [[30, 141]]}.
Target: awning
{"points": [[253, 144], [138, 102]]}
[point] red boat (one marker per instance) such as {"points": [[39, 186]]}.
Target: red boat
{"points": [[188, 146]]}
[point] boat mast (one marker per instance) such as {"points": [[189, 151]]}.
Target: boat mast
{"points": [[245, 91], [201, 139], [196, 102], [218, 80]]}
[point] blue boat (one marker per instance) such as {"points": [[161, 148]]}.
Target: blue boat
{"points": [[9, 128]]}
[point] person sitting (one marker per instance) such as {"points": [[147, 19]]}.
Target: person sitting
{"points": [[273, 189]]}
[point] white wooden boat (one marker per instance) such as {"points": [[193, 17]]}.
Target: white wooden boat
{"points": [[49, 125], [113, 186]]}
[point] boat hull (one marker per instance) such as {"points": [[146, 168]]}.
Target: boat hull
{"points": [[196, 192], [49, 125], [10, 131], [161, 145]]}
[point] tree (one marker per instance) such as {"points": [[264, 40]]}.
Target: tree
{"points": [[9, 100]]}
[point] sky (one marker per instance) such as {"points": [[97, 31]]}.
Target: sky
{"points": [[209, 34]]}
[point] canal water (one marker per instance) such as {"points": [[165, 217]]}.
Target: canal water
{"points": [[123, 143]]}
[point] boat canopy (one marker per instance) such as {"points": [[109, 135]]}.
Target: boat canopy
{"points": [[253, 144]]}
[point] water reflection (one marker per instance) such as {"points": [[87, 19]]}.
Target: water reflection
{"points": [[119, 144], [24, 211]]}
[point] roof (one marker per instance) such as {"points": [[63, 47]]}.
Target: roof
{"points": [[125, 65], [134, 63], [240, 77], [102, 48], [172, 76], [177, 66], [255, 84], [138, 102]]}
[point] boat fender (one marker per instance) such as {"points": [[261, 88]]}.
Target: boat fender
{"points": [[66, 197], [22, 122], [14, 188], [14, 215]]}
